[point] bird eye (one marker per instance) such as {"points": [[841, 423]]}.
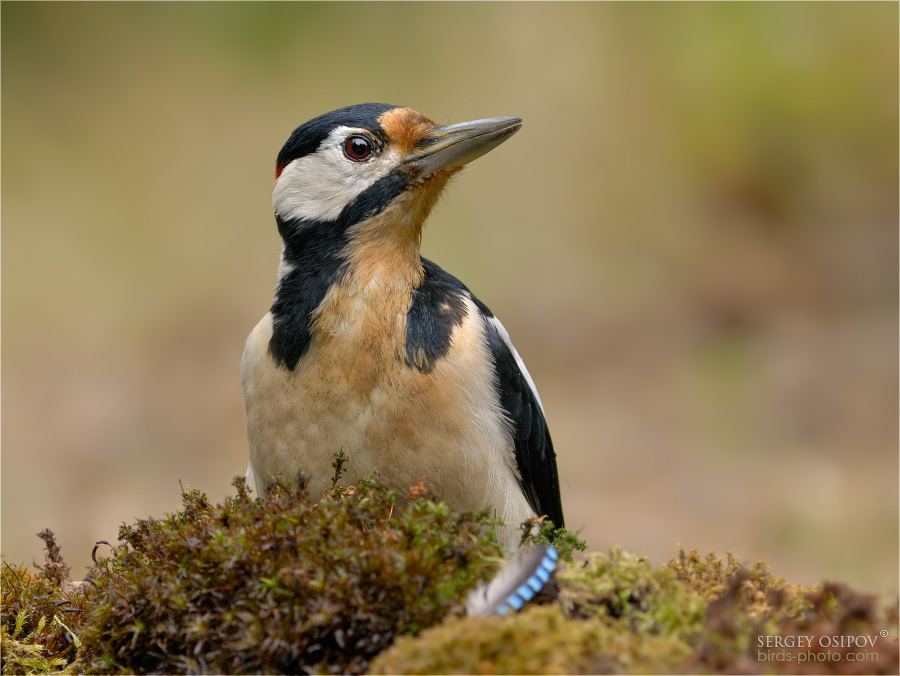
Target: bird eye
{"points": [[357, 148]]}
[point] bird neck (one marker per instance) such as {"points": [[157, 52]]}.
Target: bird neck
{"points": [[366, 306], [384, 249], [332, 270]]}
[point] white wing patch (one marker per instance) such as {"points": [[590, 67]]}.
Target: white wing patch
{"points": [[505, 336], [318, 186]]}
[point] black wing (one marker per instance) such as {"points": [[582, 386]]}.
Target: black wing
{"points": [[535, 456], [436, 308]]}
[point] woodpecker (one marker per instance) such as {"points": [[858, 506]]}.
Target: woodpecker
{"points": [[375, 351]]}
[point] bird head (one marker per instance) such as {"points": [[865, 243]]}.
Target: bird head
{"points": [[374, 162]]}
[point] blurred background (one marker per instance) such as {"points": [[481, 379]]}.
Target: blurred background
{"points": [[693, 242]]}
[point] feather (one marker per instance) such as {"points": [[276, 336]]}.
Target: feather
{"points": [[516, 584]]}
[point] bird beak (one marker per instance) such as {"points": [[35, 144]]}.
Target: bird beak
{"points": [[453, 146]]}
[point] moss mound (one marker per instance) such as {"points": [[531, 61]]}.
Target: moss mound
{"points": [[281, 584], [351, 582], [615, 613], [541, 640]]}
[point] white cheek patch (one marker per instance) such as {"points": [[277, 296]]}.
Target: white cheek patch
{"points": [[318, 186]]}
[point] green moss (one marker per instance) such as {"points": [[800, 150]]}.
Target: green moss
{"points": [[616, 613], [622, 589], [542, 531], [759, 593], [540, 640], [746, 606], [40, 615], [351, 581], [27, 653], [282, 583]]}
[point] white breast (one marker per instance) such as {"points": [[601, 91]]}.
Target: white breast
{"points": [[354, 395]]}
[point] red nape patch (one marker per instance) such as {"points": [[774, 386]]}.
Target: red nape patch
{"points": [[278, 169]]}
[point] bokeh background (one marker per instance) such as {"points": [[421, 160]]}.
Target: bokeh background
{"points": [[693, 242]]}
